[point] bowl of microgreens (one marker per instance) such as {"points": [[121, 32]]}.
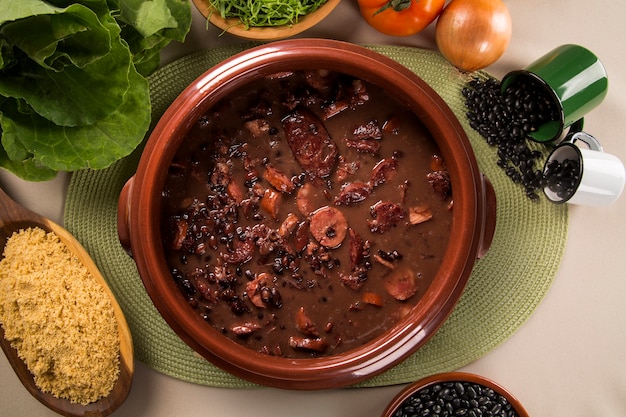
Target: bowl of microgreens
{"points": [[265, 21]]}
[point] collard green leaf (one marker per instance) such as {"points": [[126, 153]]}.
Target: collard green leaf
{"points": [[73, 36], [147, 61], [75, 95], [145, 49], [15, 10], [16, 159], [27, 169], [73, 92], [96, 146], [147, 16], [6, 56], [181, 11]]}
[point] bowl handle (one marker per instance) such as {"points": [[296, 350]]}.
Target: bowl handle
{"points": [[123, 215], [489, 217]]}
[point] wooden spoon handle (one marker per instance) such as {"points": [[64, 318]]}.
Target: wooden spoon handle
{"points": [[10, 211]]}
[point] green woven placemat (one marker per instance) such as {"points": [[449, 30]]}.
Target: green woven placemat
{"points": [[504, 289]]}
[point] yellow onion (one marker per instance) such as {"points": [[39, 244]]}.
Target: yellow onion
{"points": [[472, 34]]}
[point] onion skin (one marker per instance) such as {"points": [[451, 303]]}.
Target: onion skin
{"points": [[472, 34]]}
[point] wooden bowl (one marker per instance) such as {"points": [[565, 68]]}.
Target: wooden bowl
{"points": [[269, 33], [14, 217], [449, 381]]}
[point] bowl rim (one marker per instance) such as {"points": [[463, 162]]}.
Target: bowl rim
{"points": [[454, 376], [402, 339], [267, 33]]}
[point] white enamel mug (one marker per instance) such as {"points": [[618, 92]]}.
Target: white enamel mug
{"points": [[601, 175]]}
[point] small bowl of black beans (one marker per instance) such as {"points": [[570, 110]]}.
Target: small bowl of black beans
{"points": [[454, 394]]}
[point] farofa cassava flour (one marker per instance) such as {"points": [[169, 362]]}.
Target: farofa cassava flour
{"points": [[58, 317]]}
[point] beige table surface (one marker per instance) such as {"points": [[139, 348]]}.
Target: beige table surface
{"points": [[568, 359]]}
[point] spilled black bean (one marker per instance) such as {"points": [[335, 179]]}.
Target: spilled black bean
{"points": [[504, 119], [458, 398]]}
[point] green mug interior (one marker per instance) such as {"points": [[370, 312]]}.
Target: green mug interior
{"points": [[547, 131]]}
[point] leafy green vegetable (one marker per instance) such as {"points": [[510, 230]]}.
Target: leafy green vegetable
{"points": [[266, 12], [148, 26], [73, 92]]}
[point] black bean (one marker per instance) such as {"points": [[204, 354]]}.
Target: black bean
{"points": [[562, 177], [459, 388], [458, 398], [504, 120]]}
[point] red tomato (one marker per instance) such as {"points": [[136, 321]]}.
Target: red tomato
{"points": [[400, 17]]}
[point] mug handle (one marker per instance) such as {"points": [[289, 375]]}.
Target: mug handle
{"points": [[576, 133], [576, 127]]}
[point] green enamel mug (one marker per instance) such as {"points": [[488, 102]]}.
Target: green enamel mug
{"points": [[573, 77]]}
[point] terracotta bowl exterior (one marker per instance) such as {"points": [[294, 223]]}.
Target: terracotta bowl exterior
{"points": [[452, 377], [472, 228]]}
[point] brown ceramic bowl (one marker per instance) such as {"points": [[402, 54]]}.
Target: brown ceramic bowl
{"points": [[448, 381], [269, 33], [472, 226]]}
